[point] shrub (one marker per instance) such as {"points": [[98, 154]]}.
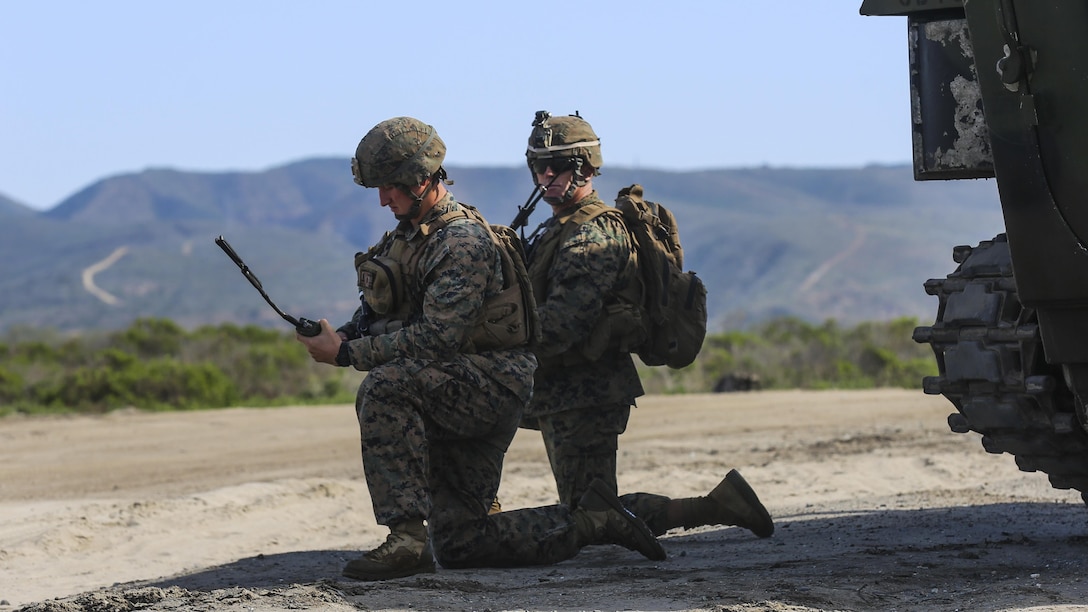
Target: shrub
{"points": [[157, 365]]}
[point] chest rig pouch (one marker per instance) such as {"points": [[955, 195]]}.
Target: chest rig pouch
{"points": [[385, 277], [381, 282]]}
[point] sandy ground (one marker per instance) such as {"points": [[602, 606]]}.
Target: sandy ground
{"points": [[878, 507]]}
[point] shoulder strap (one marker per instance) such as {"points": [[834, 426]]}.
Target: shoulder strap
{"points": [[443, 220], [586, 213]]}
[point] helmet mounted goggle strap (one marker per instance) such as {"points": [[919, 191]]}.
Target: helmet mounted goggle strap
{"points": [[542, 150]]}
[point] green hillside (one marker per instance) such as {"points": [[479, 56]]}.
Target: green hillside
{"points": [[817, 244]]}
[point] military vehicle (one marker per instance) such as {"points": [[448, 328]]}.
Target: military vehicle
{"points": [[999, 89]]}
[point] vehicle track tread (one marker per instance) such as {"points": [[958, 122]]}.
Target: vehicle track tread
{"points": [[992, 368]]}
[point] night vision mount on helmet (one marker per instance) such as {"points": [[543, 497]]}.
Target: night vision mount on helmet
{"points": [[572, 144], [558, 137]]}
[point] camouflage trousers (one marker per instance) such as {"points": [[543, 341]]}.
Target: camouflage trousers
{"points": [[582, 446], [433, 436]]}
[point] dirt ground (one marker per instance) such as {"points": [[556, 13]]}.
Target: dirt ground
{"points": [[878, 506]]}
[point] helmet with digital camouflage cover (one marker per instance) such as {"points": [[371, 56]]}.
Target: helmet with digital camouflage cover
{"points": [[399, 151], [568, 136]]}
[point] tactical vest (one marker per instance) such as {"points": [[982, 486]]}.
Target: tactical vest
{"points": [[389, 289], [620, 327]]}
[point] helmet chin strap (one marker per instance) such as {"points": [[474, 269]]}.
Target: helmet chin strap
{"points": [[417, 200]]}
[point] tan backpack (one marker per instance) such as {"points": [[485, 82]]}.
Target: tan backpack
{"points": [[673, 301], [510, 318]]}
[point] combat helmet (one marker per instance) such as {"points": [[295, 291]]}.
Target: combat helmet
{"points": [[567, 136], [399, 151]]}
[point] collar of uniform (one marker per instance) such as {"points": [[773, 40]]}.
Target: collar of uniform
{"points": [[591, 198], [441, 207]]}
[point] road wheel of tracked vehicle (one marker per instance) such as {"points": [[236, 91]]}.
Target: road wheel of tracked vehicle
{"points": [[992, 368]]}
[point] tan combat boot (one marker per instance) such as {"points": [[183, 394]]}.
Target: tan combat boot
{"points": [[602, 519], [405, 552], [738, 505]]}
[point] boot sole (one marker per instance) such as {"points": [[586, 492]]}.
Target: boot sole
{"points": [[647, 544], [388, 575], [765, 527]]}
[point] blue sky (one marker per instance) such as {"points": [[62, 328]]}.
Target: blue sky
{"points": [[95, 89]]}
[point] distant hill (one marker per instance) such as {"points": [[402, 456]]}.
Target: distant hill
{"points": [[850, 244], [10, 208]]}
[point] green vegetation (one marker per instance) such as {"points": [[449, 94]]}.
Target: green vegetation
{"points": [[157, 365], [788, 353]]}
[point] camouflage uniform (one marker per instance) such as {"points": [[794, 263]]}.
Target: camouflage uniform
{"points": [[435, 422], [585, 278], [581, 406]]}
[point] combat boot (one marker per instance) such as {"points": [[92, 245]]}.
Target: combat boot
{"points": [[405, 552], [602, 519], [732, 502], [737, 504]]}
